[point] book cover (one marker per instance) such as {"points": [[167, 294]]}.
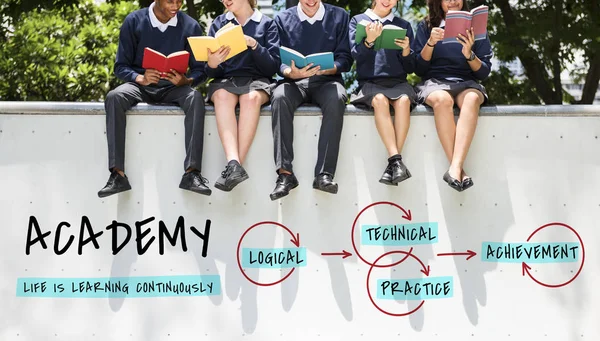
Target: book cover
{"points": [[155, 60], [230, 35], [323, 59], [459, 21], [385, 40]]}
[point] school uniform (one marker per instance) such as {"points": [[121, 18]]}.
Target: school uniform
{"points": [[326, 31], [448, 68], [252, 69], [142, 29], [381, 71]]}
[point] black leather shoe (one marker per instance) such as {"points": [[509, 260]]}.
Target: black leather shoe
{"points": [[452, 182], [324, 182], [116, 184], [233, 174], [388, 175], [467, 183], [400, 172], [195, 182], [284, 184]]}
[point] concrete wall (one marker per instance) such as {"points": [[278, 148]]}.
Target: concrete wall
{"points": [[531, 165]]}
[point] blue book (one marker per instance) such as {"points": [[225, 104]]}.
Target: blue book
{"points": [[323, 59]]}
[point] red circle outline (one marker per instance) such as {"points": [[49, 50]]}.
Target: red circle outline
{"points": [[582, 255], [408, 254], [354, 243], [238, 254]]}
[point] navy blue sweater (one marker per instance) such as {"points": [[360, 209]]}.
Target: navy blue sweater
{"points": [[384, 63], [137, 33], [447, 60], [327, 35], [262, 62]]}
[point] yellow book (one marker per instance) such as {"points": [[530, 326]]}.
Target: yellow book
{"points": [[230, 35]]}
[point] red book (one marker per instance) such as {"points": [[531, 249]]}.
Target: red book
{"points": [[155, 60], [459, 21]]}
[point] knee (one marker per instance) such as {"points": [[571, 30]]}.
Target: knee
{"points": [[114, 96], [472, 98], [220, 95], [253, 99], [441, 100], [380, 101]]}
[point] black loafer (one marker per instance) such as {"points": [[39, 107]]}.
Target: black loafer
{"points": [[467, 183], [388, 175], [452, 182], [324, 182], [284, 184], [195, 182], [233, 175], [400, 173], [116, 184]]}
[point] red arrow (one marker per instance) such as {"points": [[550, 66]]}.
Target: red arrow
{"points": [[407, 215], [526, 268], [469, 253], [344, 253], [296, 240]]}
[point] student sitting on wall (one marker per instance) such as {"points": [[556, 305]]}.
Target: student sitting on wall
{"points": [[381, 76], [164, 28], [308, 28], [245, 79], [451, 73]]}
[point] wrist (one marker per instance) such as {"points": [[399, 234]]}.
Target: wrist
{"points": [[430, 45], [471, 57], [369, 44], [255, 45]]}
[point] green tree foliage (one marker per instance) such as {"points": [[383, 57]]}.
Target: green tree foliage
{"points": [[63, 54], [546, 36]]}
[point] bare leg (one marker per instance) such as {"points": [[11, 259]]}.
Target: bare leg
{"points": [[225, 103], [442, 104], [469, 102], [249, 114], [384, 124], [402, 120]]}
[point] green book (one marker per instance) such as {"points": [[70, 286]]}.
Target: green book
{"points": [[385, 40]]}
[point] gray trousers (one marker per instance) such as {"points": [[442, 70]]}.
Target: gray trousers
{"points": [[330, 95], [122, 98]]}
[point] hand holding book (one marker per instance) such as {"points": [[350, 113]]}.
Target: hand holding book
{"points": [[295, 73], [216, 58]]}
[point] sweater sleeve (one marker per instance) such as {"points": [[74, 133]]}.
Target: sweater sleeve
{"points": [[219, 70], [409, 62], [359, 50], [267, 57], [422, 65], [126, 51], [197, 68], [341, 55], [483, 51]]}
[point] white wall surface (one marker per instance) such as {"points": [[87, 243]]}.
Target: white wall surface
{"points": [[528, 171]]}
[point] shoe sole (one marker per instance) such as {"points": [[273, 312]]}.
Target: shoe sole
{"points": [[275, 197], [387, 182], [236, 182], [399, 180], [205, 192], [327, 189], [107, 194]]}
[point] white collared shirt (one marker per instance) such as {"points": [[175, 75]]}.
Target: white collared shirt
{"points": [[156, 23], [256, 17], [369, 12], [317, 17]]}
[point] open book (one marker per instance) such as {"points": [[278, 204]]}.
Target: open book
{"points": [[155, 60], [230, 35], [459, 21], [323, 59], [385, 40]]}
